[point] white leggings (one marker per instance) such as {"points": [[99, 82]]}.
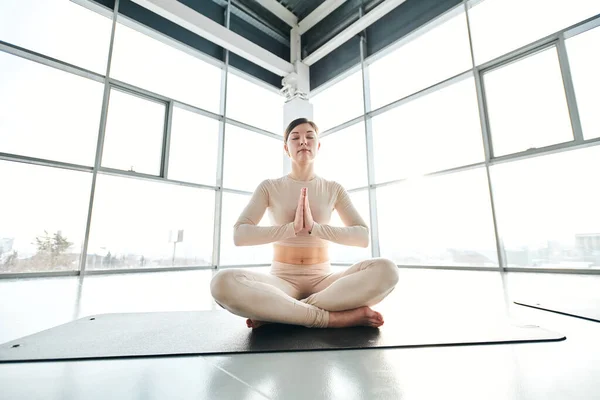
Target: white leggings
{"points": [[303, 294]]}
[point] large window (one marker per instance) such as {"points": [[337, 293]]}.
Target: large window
{"points": [[48, 113], [151, 64], [585, 67], [135, 129], [250, 158], [499, 26], [547, 210], [141, 224], [441, 220], [435, 55], [43, 213], [60, 29], [194, 146], [233, 205], [527, 107], [343, 157], [254, 104], [546, 205], [351, 254], [435, 132], [339, 103]]}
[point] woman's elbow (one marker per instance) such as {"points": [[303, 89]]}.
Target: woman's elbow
{"points": [[238, 239], [365, 238]]}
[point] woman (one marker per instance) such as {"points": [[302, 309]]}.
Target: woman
{"points": [[301, 289]]}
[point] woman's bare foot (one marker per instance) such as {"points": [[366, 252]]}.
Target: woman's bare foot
{"points": [[362, 316], [253, 323]]}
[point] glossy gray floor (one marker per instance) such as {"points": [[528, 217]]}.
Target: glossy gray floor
{"points": [[561, 370]]}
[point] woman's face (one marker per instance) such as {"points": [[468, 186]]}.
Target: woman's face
{"points": [[302, 144]]}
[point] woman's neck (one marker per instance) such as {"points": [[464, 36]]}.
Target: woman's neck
{"points": [[302, 172]]}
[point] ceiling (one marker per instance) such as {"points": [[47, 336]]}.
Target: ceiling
{"points": [[301, 8], [257, 22]]}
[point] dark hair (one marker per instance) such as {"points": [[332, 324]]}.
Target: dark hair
{"points": [[295, 123]]}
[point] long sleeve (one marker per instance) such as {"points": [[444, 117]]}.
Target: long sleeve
{"points": [[247, 233], [356, 231]]}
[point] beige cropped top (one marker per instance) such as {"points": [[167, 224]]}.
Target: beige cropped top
{"points": [[280, 196]]}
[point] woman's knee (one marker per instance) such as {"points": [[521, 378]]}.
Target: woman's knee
{"points": [[387, 272], [222, 286]]}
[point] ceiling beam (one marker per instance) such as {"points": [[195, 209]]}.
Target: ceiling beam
{"points": [[280, 11], [354, 29], [203, 26], [243, 12], [318, 14]]}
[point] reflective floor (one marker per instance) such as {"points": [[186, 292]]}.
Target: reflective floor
{"points": [[557, 370]]}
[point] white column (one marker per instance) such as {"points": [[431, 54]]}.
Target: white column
{"points": [[295, 89]]}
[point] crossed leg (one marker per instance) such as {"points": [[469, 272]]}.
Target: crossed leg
{"points": [[264, 297], [338, 299]]}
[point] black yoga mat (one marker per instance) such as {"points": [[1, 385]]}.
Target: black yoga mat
{"points": [[580, 308], [220, 332]]}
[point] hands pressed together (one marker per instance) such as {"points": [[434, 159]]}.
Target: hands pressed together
{"points": [[303, 222]]}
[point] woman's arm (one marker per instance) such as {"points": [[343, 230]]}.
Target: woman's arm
{"points": [[356, 231], [245, 231]]}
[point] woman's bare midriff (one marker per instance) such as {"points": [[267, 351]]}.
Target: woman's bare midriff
{"points": [[300, 255]]}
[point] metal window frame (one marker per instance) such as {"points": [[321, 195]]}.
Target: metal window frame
{"points": [[166, 146], [111, 83], [216, 255], [557, 38], [487, 143], [100, 142], [44, 162], [366, 88], [565, 69], [48, 61]]}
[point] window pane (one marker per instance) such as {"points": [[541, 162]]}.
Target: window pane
{"points": [[132, 121], [48, 113], [437, 54], [194, 146], [343, 157], [585, 64], [166, 291], [60, 29], [254, 105], [150, 64], [135, 224], [547, 209], [250, 158], [441, 220], [499, 26], [351, 254], [43, 212], [435, 132], [339, 103], [527, 106], [233, 205]]}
